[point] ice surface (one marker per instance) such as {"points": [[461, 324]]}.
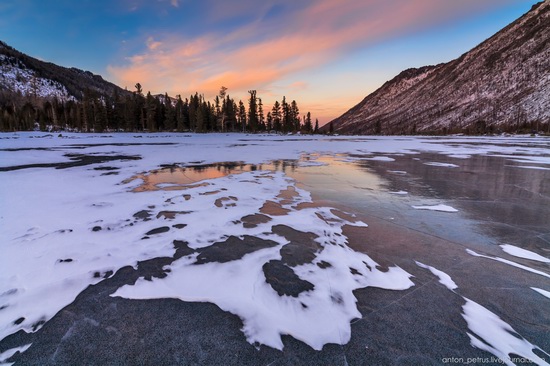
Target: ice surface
{"points": [[492, 334], [442, 208], [511, 263], [48, 217], [523, 253], [400, 192], [444, 278], [10, 352], [530, 167]]}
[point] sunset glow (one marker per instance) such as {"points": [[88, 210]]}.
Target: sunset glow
{"points": [[327, 54]]}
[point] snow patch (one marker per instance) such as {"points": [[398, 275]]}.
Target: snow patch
{"points": [[380, 158], [444, 165], [444, 278], [441, 208], [492, 334], [542, 292], [10, 352], [523, 253], [506, 261]]}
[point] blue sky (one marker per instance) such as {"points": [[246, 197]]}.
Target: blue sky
{"points": [[326, 54]]}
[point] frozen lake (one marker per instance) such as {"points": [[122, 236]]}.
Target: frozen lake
{"points": [[262, 249]]}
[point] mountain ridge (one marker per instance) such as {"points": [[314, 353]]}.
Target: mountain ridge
{"points": [[25, 75], [502, 84]]}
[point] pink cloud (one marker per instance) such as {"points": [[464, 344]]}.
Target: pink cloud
{"points": [[259, 54]]}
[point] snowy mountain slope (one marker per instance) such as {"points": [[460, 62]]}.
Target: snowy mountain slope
{"points": [[16, 77], [502, 84], [20, 73]]}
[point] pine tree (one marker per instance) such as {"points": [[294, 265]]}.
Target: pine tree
{"points": [[193, 107], [276, 115], [150, 110], [223, 116], [294, 123], [252, 112], [269, 126], [180, 122], [316, 129], [261, 118], [308, 128], [242, 115], [286, 118], [170, 114]]}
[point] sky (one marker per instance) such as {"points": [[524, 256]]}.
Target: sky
{"points": [[325, 54]]}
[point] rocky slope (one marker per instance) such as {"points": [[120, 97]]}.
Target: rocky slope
{"points": [[503, 84], [28, 76]]}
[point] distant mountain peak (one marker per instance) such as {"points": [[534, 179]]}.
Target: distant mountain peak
{"points": [[503, 84]]}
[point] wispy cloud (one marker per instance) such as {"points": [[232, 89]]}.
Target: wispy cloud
{"points": [[260, 53]]}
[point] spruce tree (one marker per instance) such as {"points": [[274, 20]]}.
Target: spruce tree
{"points": [[242, 115], [276, 116], [252, 112], [261, 118], [269, 126], [308, 128]]}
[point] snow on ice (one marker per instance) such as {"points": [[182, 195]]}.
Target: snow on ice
{"points": [[444, 278], [523, 253], [441, 208], [64, 229]]}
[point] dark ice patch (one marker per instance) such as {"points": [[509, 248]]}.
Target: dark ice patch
{"points": [[274, 209], [76, 160], [143, 215], [251, 221], [283, 279], [158, 230], [323, 264], [232, 249], [302, 247], [155, 268], [96, 228], [108, 168], [182, 249], [170, 215], [179, 226]]}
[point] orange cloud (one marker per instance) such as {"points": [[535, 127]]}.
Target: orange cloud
{"points": [[260, 54]]}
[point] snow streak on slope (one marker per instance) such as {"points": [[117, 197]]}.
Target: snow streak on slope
{"points": [[16, 77]]}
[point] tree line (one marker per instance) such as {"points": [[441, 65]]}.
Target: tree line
{"points": [[136, 111]]}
